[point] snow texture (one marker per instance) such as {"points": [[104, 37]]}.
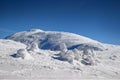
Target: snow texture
{"points": [[47, 55], [53, 40], [24, 54]]}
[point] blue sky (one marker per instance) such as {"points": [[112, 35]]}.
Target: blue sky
{"points": [[96, 19]]}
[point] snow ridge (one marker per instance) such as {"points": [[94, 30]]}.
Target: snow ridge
{"points": [[53, 39]]}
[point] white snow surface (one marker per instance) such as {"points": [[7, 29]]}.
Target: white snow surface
{"points": [[53, 39], [20, 61]]}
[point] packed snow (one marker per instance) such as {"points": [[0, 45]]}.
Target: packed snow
{"points": [[39, 54]]}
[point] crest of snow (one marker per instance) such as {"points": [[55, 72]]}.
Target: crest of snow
{"points": [[36, 30], [53, 39]]}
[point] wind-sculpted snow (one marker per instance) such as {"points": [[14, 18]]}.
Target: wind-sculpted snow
{"points": [[52, 40], [9, 46], [87, 57], [24, 54], [57, 55]]}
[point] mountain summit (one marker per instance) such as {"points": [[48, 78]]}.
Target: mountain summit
{"points": [[57, 55], [53, 39]]}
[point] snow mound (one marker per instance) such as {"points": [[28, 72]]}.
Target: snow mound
{"points": [[33, 47], [87, 56], [10, 46], [23, 53], [53, 39]]}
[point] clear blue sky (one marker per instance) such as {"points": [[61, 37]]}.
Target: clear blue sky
{"points": [[96, 19]]}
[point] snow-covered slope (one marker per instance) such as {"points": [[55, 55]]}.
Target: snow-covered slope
{"points": [[46, 65], [10, 46], [53, 39], [78, 57]]}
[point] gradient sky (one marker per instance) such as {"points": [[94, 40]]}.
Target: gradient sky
{"points": [[96, 19]]}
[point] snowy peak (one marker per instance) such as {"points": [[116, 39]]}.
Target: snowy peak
{"points": [[82, 57], [36, 30], [53, 39]]}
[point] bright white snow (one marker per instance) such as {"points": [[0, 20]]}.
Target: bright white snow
{"points": [[90, 60]]}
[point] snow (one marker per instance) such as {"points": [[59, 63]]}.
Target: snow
{"points": [[9, 46], [31, 61], [53, 39], [33, 47], [24, 54]]}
